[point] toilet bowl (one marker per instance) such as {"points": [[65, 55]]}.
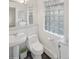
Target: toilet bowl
{"points": [[34, 46]]}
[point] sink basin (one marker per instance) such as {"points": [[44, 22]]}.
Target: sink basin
{"points": [[16, 39]]}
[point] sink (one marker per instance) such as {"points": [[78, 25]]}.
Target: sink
{"points": [[17, 36], [16, 39]]}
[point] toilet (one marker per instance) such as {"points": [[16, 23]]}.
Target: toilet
{"points": [[34, 46]]}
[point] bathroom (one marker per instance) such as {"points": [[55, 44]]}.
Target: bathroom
{"points": [[38, 29]]}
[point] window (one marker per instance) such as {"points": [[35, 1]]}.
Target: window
{"points": [[30, 15], [54, 16]]}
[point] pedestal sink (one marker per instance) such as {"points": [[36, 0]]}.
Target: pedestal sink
{"points": [[15, 40]]}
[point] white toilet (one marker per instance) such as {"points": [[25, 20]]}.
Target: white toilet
{"points": [[34, 46]]}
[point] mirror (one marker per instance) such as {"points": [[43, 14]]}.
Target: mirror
{"points": [[12, 16], [20, 14]]}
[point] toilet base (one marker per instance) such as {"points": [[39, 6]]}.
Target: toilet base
{"points": [[36, 56]]}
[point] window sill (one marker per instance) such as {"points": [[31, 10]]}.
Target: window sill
{"points": [[55, 34]]}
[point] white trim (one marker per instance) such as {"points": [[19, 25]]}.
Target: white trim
{"points": [[55, 34]]}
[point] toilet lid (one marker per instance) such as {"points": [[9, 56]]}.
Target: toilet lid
{"points": [[37, 46]]}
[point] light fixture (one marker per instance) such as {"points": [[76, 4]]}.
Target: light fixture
{"points": [[21, 1]]}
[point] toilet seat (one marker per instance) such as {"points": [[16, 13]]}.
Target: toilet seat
{"points": [[37, 48]]}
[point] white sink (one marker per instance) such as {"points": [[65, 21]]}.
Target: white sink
{"points": [[17, 36], [16, 39]]}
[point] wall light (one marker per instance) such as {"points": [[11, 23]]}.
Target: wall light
{"points": [[21, 1]]}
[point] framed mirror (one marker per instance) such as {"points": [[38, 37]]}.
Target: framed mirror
{"points": [[12, 16]]}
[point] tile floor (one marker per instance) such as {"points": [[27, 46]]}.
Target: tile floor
{"points": [[44, 56]]}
